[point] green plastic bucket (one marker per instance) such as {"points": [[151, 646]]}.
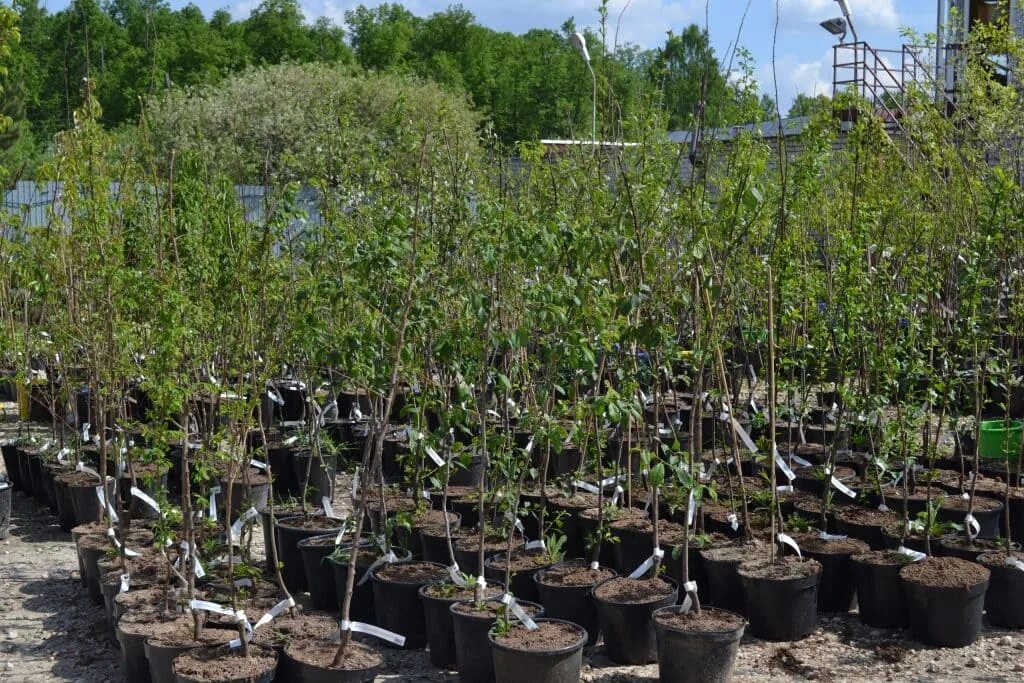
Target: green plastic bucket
{"points": [[993, 443]]}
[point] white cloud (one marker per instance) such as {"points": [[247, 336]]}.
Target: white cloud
{"points": [[880, 14], [794, 76]]}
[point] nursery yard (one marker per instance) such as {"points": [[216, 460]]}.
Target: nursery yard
{"points": [[50, 631]]}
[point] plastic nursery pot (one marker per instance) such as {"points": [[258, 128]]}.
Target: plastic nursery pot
{"points": [[291, 530], [876, 580], [6, 492], [311, 661], [1004, 599], [91, 549], [553, 653], [891, 537], [411, 538], [321, 473], [84, 499], [945, 600], [724, 589], [570, 508], [521, 582], [440, 628], [225, 665], [161, 654], [697, 649], [566, 591], [987, 511], [997, 442], [864, 524], [624, 609], [12, 463], [244, 495], [319, 574], [467, 551], [134, 664], [396, 598], [472, 643], [781, 599], [836, 588]]}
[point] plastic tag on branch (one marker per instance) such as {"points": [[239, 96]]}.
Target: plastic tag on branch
{"points": [[515, 521], [82, 467], [882, 507], [425, 494], [388, 558], [481, 583], [846, 490], [615, 496], [973, 527], [965, 495], [355, 482], [213, 502], [914, 555], [595, 565], [258, 464], [341, 534], [787, 488], [535, 545], [274, 395], [123, 588], [648, 503], [289, 441], [433, 455], [456, 576], [529, 446], [691, 510], [690, 589], [646, 565], [734, 521], [145, 498], [831, 537], [236, 527], [608, 481], [243, 583], [274, 612], [105, 504], [355, 414], [788, 540], [62, 455], [744, 437], [1012, 561], [786, 469], [800, 461], [586, 486], [519, 612], [85, 431], [375, 631], [325, 501]]}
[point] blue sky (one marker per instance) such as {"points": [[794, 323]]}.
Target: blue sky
{"points": [[803, 52]]}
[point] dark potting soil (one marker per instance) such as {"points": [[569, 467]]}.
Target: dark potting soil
{"points": [[143, 599], [223, 663], [286, 629], [882, 557], [320, 652], [143, 622], [852, 514], [578, 500], [666, 530], [734, 551], [456, 532], [722, 484], [708, 620], [624, 590], [462, 492], [784, 568], [548, 636], [492, 543], [450, 591], [256, 478], [613, 513], [411, 573], [431, 518], [177, 631], [979, 545], [313, 522], [980, 503], [944, 572], [492, 608], [574, 576], [998, 558], [840, 472], [522, 560], [814, 543], [94, 542], [321, 541], [79, 479]]}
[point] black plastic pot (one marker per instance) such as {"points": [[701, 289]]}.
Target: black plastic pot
{"points": [[321, 474], [284, 483], [521, 583], [880, 599], [134, 664], [440, 628], [303, 672], [319, 573], [628, 628], [6, 492], [891, 541], [434, 545], [12, 464], [472, 644], [90, 557], [869, 533], [265, 677], [65, 505], [1004, 599], [633, 548], [288, 537], [254, 494], [471, 475], [946, 617], [361, 607], [87, 504], [695, 656], [35, 466], [399, 608], [571, 603], [160, 658], [587, 530], [724, 589], [560, 665], [836, 589], [781, 609]]}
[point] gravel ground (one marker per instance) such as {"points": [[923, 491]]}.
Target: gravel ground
{"points": [[49, 630]]}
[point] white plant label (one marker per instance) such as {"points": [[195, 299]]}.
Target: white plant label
{"points": [[691, 510], [124, 583], [328, 508], [236, 526], [912, 554], [289, 441], [690, 588], [615, 497], [646, 565], [145, 498], [375, 631], [258, 464], [786, 469], [788, 540], [104, 504], [456, 576], [433, 455], [973, 527], [586, 486], [535, 545], [520, 613], [788, 488], [800, 461], [213, 502], [744, 437], [831, 537], [1014, 562], [846, 490], [734, 522]]}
